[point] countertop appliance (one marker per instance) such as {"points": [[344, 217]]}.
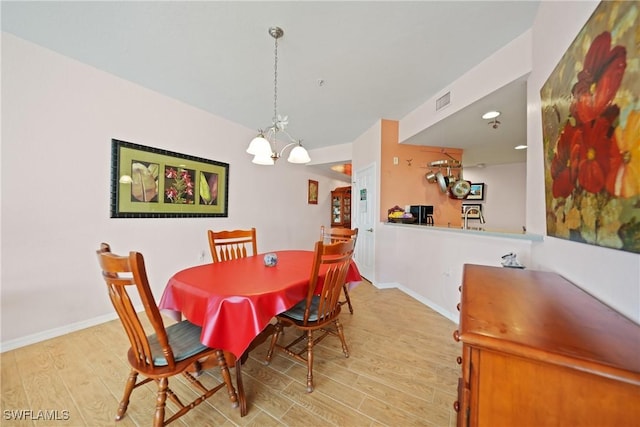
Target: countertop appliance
{"points": [[423, 213]]}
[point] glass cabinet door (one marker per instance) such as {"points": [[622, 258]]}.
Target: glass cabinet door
{"points": [[346, 202], [341, 207], [336, 210]]}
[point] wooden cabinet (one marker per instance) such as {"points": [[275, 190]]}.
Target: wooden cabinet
{"points": [[341, 207], [539, 351]]}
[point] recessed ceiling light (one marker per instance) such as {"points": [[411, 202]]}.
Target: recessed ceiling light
{"points": [[520, 147], [491, 114]]}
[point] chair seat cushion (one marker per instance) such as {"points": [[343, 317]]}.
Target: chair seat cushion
{"points": [[297, 311], [184, 338]]}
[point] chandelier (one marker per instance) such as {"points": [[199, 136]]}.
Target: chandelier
{"points": [[262, 147]]}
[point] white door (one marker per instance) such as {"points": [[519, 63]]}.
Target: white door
{"points": [[364, 203]]}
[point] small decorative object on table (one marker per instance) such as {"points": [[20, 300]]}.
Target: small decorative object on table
{"points": [[270, 259], [509, 260]]}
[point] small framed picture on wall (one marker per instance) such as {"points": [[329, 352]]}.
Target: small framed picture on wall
{"points": [[476, 192], [312, 192], [472, 211]]}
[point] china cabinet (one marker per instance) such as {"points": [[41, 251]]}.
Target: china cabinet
{"points": [[539, 351], [341, 207]]}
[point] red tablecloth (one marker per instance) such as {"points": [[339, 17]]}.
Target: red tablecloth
{"points": [[234, 300]]}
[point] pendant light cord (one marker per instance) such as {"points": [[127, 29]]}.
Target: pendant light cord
{"points": [[275, 86]]}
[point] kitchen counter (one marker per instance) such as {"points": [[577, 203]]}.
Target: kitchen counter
{"points": [[473, 231]]}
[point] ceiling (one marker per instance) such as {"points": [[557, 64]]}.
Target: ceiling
{"points": [[375, 59], [485, 142]]}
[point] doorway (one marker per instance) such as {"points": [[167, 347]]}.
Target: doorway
{"points": [[364, 200]]}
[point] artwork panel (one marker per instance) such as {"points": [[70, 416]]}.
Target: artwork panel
{"points": [[148, 182], [591, 133]]}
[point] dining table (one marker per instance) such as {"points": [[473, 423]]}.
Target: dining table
{"points": [[234, 301]]}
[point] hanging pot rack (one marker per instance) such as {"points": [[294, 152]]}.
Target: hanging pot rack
{"points": [[448, 183], [451, 162], [446, 163]]}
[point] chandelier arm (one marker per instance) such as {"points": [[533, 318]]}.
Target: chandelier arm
{"points": [[287, 146]]}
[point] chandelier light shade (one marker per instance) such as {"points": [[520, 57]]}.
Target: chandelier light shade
{"points": [[263, 147], [299, 155], [259, 145]]}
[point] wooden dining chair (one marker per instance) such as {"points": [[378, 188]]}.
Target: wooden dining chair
{"points": [[157, 352], [319, 311], [336, 234], [226, 245]]}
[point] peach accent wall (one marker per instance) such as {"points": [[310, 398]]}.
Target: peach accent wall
{"points": [[405, 183]]}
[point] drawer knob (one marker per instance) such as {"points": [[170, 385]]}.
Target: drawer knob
{"points": [[459, 360], [456, 335], [456, 406], [458, 306]]}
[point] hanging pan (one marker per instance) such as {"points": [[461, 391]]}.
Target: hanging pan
{"points": [[431, 177], [451, 178], [460, 189], [443, 182]]}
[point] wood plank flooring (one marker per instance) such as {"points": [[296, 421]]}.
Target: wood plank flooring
{"points": [[402, 371]]}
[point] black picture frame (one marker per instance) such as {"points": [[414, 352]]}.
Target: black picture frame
{"points": [[476, 192], [476, 210], [148, 182]]}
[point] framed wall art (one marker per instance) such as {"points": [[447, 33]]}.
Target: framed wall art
{"points": [[474, 211], [476, 192], [149, 182], [312, 192], [591, 123]]}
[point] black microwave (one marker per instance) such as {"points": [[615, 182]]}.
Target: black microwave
{"points": [[423, 213]]}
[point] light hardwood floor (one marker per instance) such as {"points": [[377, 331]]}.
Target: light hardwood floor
{"points": [[402, 371]]}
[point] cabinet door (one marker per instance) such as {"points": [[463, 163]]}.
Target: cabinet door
{"points": [[336, 209], [341, 207], [346, 206], [517, 391]]}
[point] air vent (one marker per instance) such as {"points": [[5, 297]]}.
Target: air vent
{"points": [[443, 101]]}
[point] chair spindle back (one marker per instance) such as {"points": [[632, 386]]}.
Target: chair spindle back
{"points": [[333, 260], [121, 273], [228, 245]]}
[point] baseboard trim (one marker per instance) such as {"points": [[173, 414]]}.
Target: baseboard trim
{"points": [[55, 332], [426, 301]]}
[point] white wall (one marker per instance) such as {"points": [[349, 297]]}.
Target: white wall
{"points": [[58, 118], [504, 195]]}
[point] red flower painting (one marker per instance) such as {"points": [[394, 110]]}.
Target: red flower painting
{"points": [[600, 79], [591, 127], [564, 167]]}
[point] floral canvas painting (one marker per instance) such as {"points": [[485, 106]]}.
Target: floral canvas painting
{"points": [[591, 131], [179, 184]]}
